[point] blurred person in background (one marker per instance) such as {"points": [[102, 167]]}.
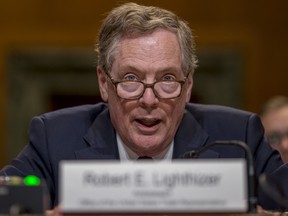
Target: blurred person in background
{"points": [[274, 117]]}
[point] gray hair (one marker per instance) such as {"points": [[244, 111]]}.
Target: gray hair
{"points": [[274, 103], [132, 20]]}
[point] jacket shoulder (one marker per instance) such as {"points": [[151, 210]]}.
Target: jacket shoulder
{"points": [[75, 120], [216, 111], [91, 111], [222, 119]]}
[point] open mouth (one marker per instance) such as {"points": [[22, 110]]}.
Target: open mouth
{"points": [[148, 122]]}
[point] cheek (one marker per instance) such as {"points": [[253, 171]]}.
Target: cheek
{"points": [[174, 112], [118, 117], [177, 114], [119, 111]]}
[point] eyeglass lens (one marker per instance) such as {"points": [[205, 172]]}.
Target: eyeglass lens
{"points": [[277, 137], [162, 89]]}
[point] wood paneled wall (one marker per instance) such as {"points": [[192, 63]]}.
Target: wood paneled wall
{"points": [[258, 29]]}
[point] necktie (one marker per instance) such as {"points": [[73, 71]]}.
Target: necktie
{"points": [[145, 158]]}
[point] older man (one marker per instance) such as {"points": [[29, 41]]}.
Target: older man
{"points": [[146, 62]]}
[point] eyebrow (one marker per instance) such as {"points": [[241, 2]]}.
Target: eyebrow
{"points": [[161, 70]]}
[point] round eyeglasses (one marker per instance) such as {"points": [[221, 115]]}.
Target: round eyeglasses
{"points": [[165, 89]]}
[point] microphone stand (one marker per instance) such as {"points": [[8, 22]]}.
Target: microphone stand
{"points": [[252, 199], [276, 195]]}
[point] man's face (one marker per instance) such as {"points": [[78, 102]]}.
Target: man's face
{"points": [[276, 124], [146, 125]]}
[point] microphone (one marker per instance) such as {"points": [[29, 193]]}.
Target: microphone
{"points": [[267, 183], [252, 199]]}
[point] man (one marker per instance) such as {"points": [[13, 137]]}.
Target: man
{"points": [[146, 62], [275, 121]]}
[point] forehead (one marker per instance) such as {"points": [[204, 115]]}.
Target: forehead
{"points": [[276, 120], [159, 49]]}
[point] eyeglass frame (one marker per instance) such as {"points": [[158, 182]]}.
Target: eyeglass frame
{"points": [[146, 85]]}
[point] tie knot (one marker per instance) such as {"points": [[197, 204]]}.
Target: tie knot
{"points": [[145, 158]]}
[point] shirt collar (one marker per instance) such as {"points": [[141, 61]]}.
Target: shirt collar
{"points": [[126, 154]]}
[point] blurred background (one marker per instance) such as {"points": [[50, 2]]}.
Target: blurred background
{"points": [[47, 58]]}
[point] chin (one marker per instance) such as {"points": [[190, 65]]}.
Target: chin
{"points": [[149, 147]]}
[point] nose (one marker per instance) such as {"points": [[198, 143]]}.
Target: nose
{"points": [[148, 98]]}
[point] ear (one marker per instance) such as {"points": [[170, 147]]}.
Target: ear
{"points": [[102, 82], [189, 88]]}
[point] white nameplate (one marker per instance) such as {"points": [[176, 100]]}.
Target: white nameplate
{"points": [[178, 186]]}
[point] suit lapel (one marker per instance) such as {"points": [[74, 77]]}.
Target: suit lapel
{"points": [[101, 139], [191, 136]]}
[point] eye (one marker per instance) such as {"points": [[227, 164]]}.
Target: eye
{"points": [[130, 77], [168, 77]]}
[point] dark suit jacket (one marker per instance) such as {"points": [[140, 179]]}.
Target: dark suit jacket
{"points": [[86, 132]]}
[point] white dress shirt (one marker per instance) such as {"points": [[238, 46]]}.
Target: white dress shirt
{"points": [[126, 154]]}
